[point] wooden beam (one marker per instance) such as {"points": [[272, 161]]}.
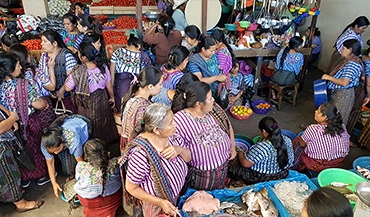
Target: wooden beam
{"points": [[139, 17], [204, 17], [266, 52]]}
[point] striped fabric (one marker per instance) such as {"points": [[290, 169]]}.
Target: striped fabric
{"points": [[348, 34], [367, 68], [130, 62], [44, 59], [225, 59], [323, 146], [352, 71], [139, 172], [264, 156], [78, 41], [208, 143]]}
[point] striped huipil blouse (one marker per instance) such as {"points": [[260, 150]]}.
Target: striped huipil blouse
{"points": [[348, 34], [322, 146], [139, 172], [208, 143]]}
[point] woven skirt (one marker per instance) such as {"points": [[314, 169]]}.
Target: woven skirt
{"points": [[10, 177], [344, 100]]}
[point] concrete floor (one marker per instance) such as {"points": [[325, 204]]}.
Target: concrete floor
{"points": [[288, 118]]}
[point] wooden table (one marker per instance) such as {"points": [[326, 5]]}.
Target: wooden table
{"points": [[260, 54]]}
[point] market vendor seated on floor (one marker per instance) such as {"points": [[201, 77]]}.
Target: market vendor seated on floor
{"points": [[325, 144], [266, 160]]}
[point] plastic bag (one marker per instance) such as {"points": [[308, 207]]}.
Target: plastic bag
{"points": [[223, 96]]}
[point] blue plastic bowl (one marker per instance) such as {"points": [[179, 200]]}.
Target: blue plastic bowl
{"points": [[245, 138], [63, 198], [363, 162], [258, 110], [300, 134], [289, 134], [320, 92], [242, 144]]}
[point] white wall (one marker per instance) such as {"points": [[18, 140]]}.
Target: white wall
{"points": [[36, 7], [335, 16]]}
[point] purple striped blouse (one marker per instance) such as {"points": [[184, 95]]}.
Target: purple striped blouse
{"points": [[208, 143], [323, 146], [139, 172], [225, 59], [348, 34]]}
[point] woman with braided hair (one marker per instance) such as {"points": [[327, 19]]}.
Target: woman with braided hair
{"points": [[325, 144], [98, 180], [176, 64], [267, 160]]}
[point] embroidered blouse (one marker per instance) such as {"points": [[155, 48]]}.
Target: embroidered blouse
{"points": [[7, 95], [90, 180], [40, 79], [236, 83], [162, 97], [68, 39], [129, 62], [96, 79], [75, 134], [292, 62], [352, 71], [170, 80]]}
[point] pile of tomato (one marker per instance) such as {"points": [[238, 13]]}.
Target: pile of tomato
{"points": [[33, 44], [120, 40], [114, 37], [126, 3], [125, 22]]}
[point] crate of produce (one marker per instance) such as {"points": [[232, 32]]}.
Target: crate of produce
{"points": [[101, 10], [125, 22], [132, 10]]}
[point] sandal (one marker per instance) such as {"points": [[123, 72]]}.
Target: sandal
{"points": [[38, 204], [69, 178]]}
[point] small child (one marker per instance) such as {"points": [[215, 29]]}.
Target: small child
{"points": [[236, 86]]}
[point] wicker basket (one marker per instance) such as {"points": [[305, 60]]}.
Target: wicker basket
{"points": [[240, 117]]}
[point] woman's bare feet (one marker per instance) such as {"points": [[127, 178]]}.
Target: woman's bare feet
{"points": [[24, 205]]}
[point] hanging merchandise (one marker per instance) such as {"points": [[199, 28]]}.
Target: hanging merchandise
{"points": [[59, 7]]}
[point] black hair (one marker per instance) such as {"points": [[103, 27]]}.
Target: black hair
{"points": [[334, 121], [53, 36], [22, 52], [359, 21], [317, 31], [234, 63], [91, 23], [294, 43], [52, 136], [79, 4], [149, 75], [271, 127], [327, 202], [368, 49], [8, 62], [193, 32], [72, 18], [93, 38], [196, 92], [88, 50], [205, 43], [8, 39], [133, 40], [178, 98], [219, 36], [176, 56], [167, 24], [355, 45], [96, 153]]}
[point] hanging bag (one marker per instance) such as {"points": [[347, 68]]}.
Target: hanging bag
{"points": [[61, 111]]}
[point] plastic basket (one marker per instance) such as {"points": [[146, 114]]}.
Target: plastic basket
{"points": [[258, 110], [109, 27], [240, 117], [231, 27], [363, 162]]}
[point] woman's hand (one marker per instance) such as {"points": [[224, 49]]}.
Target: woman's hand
{"points": [[14, 115], [169, 208], [326, 77], [231, 100], [221, 78], [232, 153], [111, 103], [51, 62], [60, 94], [171, 152], [56, 189], [366, 101]]}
